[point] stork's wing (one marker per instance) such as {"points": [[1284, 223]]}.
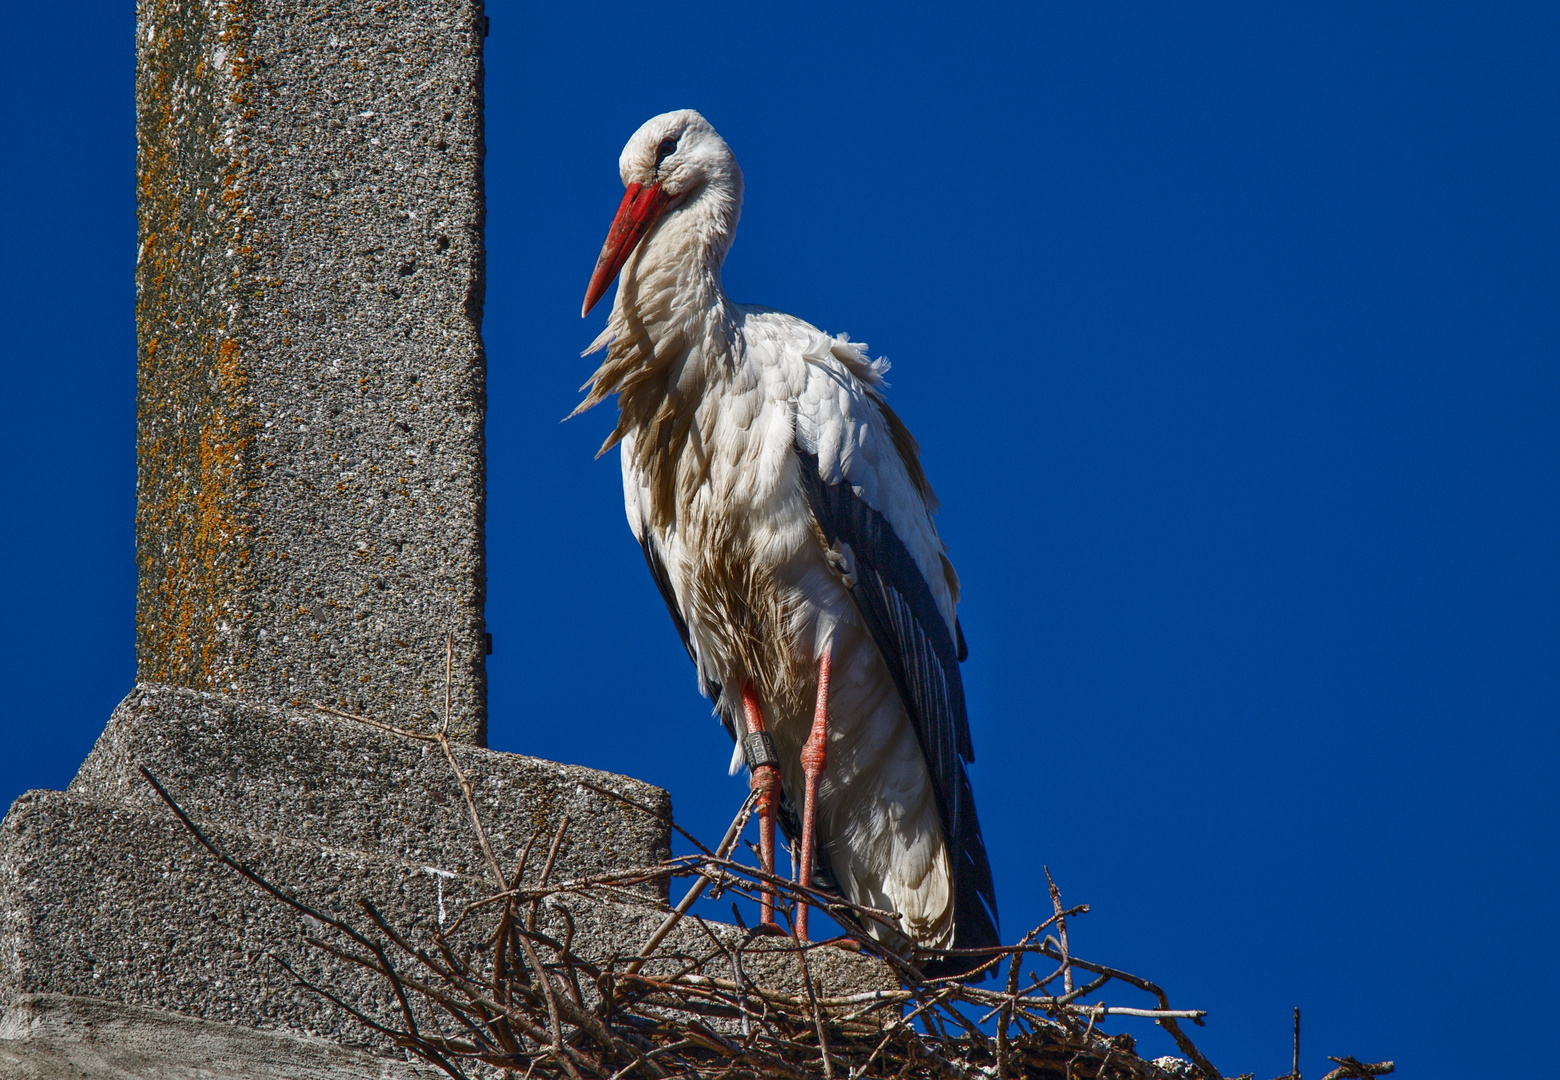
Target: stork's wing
{"points": [[861, 475], [923, 657], [663, 584], [663, 581]]}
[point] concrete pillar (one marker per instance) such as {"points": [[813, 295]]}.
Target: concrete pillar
{"points": [[310, 490]]}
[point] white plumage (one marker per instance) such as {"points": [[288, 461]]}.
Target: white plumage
{"points": [[761, 465]]}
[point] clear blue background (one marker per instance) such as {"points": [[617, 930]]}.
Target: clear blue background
{"points": [[1229, 334]]}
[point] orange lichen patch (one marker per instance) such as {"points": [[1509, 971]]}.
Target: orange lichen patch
{"points": [[195, 424], [199, 513]]}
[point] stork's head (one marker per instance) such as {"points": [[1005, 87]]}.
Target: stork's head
{"points": [[674, 167]]}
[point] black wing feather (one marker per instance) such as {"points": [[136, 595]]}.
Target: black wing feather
{"points": [[663, 582], [923, 657]]}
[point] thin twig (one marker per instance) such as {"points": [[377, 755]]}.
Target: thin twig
{"points": [[1294, 1069], [665, 819], [449, 669], [552, 854], [1061, 931], [419, 736], [813, 993]]}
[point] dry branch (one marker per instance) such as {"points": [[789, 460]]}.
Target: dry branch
{"points": [[1352, 1069]]}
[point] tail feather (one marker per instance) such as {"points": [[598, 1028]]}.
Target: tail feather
{"points": [[974, 897]]}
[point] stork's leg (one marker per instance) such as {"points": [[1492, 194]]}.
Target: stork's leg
{"points": [[764, 766], [814, 756]]}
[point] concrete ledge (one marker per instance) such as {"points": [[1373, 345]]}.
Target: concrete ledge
{"points": [[112, 902], [51, 1036], [304, 775]]}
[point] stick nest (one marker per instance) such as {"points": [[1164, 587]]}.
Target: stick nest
{"points": [[524, 1002]]}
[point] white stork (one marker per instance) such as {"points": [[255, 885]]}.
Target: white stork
{"points": [[786, 519]]}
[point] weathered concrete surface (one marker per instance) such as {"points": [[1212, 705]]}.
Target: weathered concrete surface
{"points": [[306, 775], [54, 1036], [311, 397], [117, 903]]}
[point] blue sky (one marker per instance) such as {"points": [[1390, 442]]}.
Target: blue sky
{"points": [[1229, 333]]}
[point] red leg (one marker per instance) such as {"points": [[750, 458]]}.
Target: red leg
{"points": [[814, 756], [766, 781]]}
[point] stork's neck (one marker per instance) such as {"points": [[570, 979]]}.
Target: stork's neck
{"points": [[672, 285], [673, 331]]}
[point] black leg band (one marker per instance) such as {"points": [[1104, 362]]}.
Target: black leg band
{"points": [[759, 749]]}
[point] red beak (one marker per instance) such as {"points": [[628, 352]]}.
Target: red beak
{"points": [[638, 211]]}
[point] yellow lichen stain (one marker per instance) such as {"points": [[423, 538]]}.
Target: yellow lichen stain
{"points": [[195, 427]]}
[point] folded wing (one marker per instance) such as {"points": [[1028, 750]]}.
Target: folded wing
{"points": [[870, 501]]}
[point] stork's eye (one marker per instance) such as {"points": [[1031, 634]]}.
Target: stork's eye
{"points": [[665, 150]]}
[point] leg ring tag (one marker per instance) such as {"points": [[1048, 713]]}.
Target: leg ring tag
{"points": [[759, 749]]}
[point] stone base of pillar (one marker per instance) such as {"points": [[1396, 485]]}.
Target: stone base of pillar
{"points": [[111, 911], [52, 1036]]}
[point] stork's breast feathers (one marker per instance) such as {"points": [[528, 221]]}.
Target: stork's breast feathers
{"points": [[794, 397]]}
